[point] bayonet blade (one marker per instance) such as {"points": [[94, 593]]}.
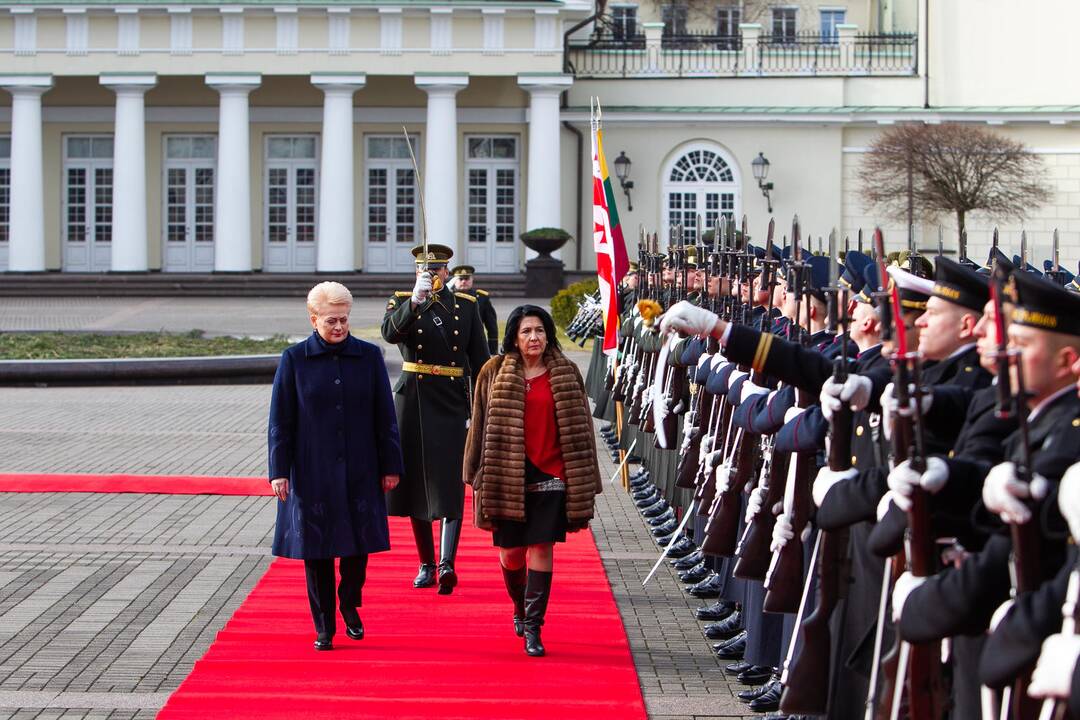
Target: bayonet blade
{"points": [[940, 240], [1056, 258], [1023, 249], [995, 240], [859, 247], [770, 235], [834, 266]]}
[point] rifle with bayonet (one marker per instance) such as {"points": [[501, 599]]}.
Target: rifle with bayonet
{"points": [[1026, 537], [806, 677], [722, 531], [1055, 274], [784, 579]]}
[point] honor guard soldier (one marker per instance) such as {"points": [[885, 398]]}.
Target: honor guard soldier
{"points": [[443, 347], [461, 280]]}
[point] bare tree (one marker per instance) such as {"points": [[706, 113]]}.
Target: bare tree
{"points": [[920, 171]]}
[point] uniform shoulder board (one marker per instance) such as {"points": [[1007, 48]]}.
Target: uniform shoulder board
{"points": [[463, 296], [403, 293], [482, 292]]}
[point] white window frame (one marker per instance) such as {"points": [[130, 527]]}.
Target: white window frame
{"points": [[620, 13], [785, 36], [192, 165], [268, 163], [678, 24], [733, 18], [395, 260], [734, 186], [5, 207], [91, 164], [495, 256], [832, 36]]}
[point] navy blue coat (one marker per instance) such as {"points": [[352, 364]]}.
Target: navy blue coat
{"points": [[333, 433]]}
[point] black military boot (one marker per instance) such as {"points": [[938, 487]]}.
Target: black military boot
{"points": [[448, 542], [537, 592], [425, 548], [515, 588]]}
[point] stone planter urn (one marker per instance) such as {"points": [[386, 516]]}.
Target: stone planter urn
{"points": [[544, 274]]}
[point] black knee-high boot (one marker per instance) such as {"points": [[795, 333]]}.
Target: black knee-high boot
{"points": [[425, 548], [515, 587], [537, 592], [448, 543]]}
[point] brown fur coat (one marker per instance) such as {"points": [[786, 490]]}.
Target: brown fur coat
{"points": [[495, 449]]}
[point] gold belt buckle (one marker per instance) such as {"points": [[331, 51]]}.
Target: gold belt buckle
{"points": [[436, 370]]}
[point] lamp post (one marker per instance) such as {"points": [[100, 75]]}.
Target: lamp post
{"points": [[622, 171], [760, 166]]}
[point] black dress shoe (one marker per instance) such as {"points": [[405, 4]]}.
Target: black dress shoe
{"points": [[752, 693], [717, 611], [665, 528], [324, 642], [710, 587], [732, 649], [648, 499], [685, 563], [730, 626], [737, 667], [354, 627], [426, 577], [769, 700], [633, 459], [682, 547], [757, 675], [663, 518], [695, 574], [658, 508], [639, 475], [447, 578]]}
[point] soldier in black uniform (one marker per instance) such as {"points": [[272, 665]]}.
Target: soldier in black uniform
{"points": [[443, 346], [461, 280]]}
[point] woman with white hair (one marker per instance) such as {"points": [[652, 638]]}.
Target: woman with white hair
{"points": [[334, 451]]}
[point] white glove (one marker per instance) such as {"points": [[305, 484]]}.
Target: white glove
{"points": [[452, 283], [830, 398], [1004, 494], [749, 390], [686, 318], [889, 498], [723, 478], [856, 391], [755, 503], [903, 588], [999, 614], [1069, 499], [890, 406], [825, 480], [422, 289], [703, 448], [903, 480], [782, 532], [1054, 673]]}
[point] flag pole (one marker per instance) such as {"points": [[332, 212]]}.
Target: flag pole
{"points": [[596, 122]]}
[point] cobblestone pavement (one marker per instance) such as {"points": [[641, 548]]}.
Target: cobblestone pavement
{"points": [[106, 601]]}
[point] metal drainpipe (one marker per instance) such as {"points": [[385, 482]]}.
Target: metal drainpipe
{"points": [[563, 104]]}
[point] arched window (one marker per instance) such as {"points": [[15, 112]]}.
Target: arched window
{"points": [[699, 180]]}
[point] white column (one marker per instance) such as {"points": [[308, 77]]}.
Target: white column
{"points": [[542, 206], [440, 168], [232, 186], [129, 234], [26, 249], [335, 249]]}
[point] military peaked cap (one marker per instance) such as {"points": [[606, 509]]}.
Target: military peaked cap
{"points": [[914, 290], [463, 271], [870, 285], [960, 285], [819, 275], [1044, 305], [855, 263], [1066, 276], [1025, 266], [436, 255]]}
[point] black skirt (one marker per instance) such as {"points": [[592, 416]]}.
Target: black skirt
{"points": [[545, 515]]}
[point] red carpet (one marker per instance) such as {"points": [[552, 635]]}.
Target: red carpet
{"points": [[153, 484], [425, 655]]}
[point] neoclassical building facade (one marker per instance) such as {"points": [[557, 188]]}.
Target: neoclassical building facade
{"points": [[228, 136]]}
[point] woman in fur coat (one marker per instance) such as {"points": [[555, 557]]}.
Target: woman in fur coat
{"points": [[531, 460]]}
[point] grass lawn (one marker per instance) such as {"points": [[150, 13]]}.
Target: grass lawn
{"points": [[71, 346]]}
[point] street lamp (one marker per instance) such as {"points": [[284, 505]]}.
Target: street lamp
{"points": [[622, 171], [760, 165]]}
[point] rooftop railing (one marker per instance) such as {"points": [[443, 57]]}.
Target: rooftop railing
{"points": [[749, 54]]}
